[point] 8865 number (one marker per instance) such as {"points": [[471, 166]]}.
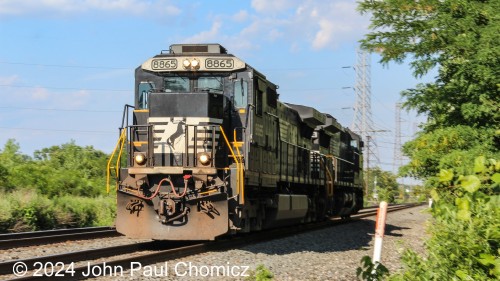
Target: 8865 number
{"points": [[160, 64], [219, 63]]}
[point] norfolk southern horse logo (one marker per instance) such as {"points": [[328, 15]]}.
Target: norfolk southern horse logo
{"points": [[135, 206]]}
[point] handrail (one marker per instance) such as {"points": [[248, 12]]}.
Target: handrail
{"points": [[120, 143], [338, 158], [240, 172], [329, 175], [234, 157]]}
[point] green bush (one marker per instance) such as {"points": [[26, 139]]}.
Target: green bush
{"points": [[371, 271], [61, 186], [25, 210], [261, 273], [465, 231], [83, 211]]}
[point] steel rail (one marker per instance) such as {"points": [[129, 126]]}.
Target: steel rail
{"points": [[32, 234], [14, 240], [167, 250]]}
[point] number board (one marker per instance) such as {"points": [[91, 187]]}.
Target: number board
{"points": [[163, 64], [217, 63]]}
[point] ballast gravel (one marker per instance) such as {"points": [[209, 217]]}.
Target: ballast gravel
{"points": [[327, 254]]}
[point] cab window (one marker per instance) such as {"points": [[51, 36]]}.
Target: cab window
{"points": [[240, 93], [212, 84], [177, 84], [144, 89]]}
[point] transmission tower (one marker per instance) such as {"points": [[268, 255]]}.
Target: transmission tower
{"points": [[398, 157], [362, 122]]}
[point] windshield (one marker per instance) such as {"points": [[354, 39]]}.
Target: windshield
{"points": [[177, 84], [210, 84], [183, 84]]}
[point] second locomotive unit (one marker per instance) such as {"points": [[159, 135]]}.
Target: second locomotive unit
{"points": [[211, 150]]}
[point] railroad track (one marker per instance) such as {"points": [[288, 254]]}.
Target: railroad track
{"points": [[23, 239], [152, 252]]}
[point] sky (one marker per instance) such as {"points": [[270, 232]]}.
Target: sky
{"points": [[67, 66]]}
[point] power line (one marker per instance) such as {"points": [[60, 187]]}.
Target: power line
{"points": [[65, 66], [58, 130], [62, 88], [57, 109], [312, 68]]}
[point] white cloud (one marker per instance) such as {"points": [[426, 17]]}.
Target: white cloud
{"points": [[327, 24], [307, 24], [76, 99], [9, 80], [211, 35], [241, 16], [65, 7], [40, 93], [274, 6]]}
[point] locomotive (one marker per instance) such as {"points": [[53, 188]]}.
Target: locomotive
{"points": [[211, 150]]}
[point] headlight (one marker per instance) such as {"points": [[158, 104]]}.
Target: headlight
{"points": [[186, 63], [140, 158], [204, 158], [195, 64]]}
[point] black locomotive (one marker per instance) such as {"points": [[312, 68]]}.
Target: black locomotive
{"points": [[211, 150]]}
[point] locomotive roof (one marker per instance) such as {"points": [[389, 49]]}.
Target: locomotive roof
{"points": [[309, 115]]}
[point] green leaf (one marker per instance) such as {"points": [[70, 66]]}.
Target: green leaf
{"points": [[434, 195], [462, 275], [479, 164], [463, 215], [471, 183], [463, 204], [445, 175], [496, 270], [486, 259], [496, 178]]}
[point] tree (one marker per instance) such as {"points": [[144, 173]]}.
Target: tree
{"points": [[54, 171], [11, 160], [386, 185], [11, 154], [76, 170], [462, 39]]}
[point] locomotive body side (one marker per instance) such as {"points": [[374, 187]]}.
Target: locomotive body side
{"points": [[212, 150]]}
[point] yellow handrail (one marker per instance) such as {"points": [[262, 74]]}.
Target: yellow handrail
{"points": [[236, 160], [240, 172], [120, 143], [332, 179]]}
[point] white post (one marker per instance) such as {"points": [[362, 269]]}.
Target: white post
{"points": [[379, 231]]}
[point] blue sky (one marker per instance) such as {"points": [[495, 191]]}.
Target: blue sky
{"points": [[66, 66]]}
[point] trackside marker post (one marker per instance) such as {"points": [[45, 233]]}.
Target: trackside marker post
{"points": [[379, 231]]}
